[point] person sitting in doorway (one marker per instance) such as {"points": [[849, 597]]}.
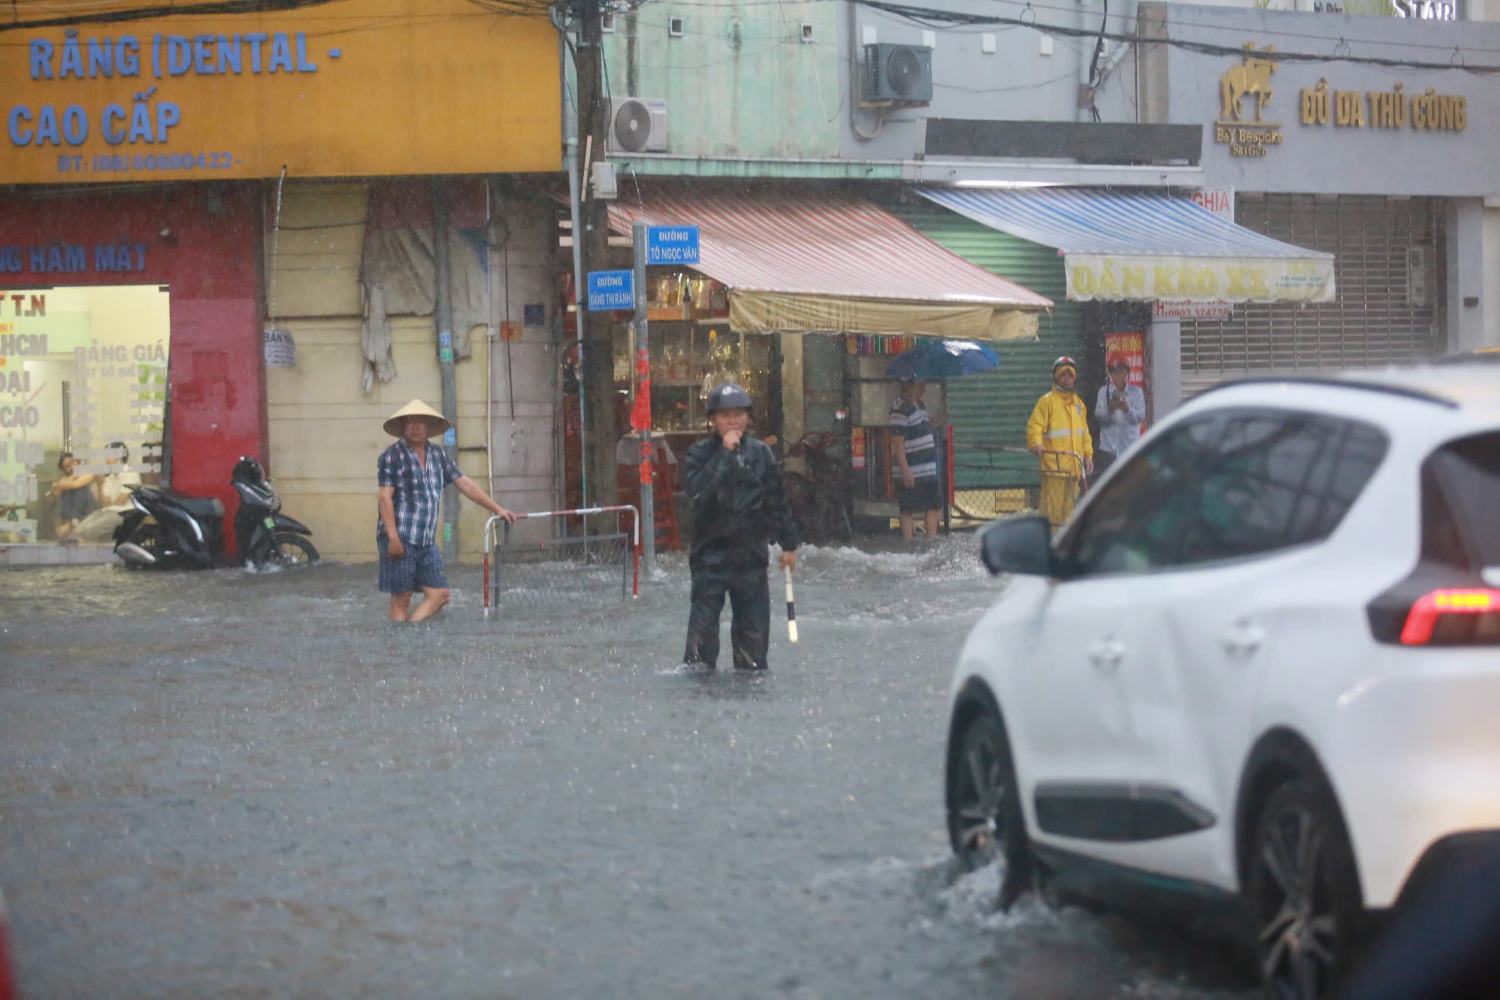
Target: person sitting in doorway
{"points": [[114, 495], [76, 496]]}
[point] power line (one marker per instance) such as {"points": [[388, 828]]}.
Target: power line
{"points": [[928, 17], [166, 10], [952, 19], [1179, 22]]}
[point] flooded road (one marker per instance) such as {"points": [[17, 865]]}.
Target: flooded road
{"points": [[229, 785]]}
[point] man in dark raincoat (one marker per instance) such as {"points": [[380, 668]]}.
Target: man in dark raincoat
{"points": [[738, 499]]}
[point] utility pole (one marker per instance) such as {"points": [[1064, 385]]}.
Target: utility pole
{"points": [[598, 348], [642, 366], [442, 315]]}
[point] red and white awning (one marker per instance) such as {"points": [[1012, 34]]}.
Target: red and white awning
{"points": [[825, 261]]}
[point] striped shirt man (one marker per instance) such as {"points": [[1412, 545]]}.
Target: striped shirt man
{"points": [[909, 420]]}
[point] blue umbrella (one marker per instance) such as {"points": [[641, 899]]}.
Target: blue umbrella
{"points": [[939, 359]]}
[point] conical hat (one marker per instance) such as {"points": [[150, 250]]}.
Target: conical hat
{"points": [[416, 408]]}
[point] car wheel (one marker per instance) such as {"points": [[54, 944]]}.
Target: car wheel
{"points": [[1304, 893], [984, 805]]}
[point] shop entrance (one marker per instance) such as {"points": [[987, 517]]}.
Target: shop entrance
{"points": [[83, 395]]}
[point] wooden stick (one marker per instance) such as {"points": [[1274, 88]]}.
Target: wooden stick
{"points": [[791, 607]]}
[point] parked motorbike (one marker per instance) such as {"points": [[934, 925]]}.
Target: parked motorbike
{"points": [[166, 530], [266, 536], [820, 499]]}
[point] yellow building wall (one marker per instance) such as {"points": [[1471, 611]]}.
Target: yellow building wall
{"points": [[326, 432], [312, 254]]}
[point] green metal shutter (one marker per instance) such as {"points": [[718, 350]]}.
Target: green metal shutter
{"points": [[991, 410]]}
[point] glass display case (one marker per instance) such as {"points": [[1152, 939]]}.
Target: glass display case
{"points": [[689, 358]]}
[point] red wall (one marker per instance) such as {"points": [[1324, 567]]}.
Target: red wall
{"points": [[209, 256]]}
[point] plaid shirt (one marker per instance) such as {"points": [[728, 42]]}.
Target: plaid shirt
{"points": [[419, 490]]}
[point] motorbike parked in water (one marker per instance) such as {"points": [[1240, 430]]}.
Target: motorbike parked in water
{"points": [[166, 530], [266, 536], [820, 499]]}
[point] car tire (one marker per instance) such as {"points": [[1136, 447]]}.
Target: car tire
{"points": [[985, 823], [1304, 893]]}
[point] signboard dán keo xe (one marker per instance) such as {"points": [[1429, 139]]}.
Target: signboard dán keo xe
{"points": [[326, 90]]}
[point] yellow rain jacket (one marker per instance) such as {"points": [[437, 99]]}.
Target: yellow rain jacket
{"points": [[1060, 422]]}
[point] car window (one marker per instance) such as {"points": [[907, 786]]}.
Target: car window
{"points": [[1461, 493], [1224, 486], [1128, 528]]}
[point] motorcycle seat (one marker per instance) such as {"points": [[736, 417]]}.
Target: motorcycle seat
{"points": [[201, 507]]}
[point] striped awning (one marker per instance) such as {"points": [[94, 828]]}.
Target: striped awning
{"points": [[1146, 246], [803, 261]]}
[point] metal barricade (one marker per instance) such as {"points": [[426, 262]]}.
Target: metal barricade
{"points": [[999, 463], [558, 548]]}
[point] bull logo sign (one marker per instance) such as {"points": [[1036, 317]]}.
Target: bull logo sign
{"points": [[1244, 92], [1253, 79]]}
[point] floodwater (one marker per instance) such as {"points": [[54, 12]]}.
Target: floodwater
{"points": [[231, 785]]}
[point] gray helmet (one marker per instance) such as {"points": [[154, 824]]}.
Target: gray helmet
{"points": [[727, 396]]}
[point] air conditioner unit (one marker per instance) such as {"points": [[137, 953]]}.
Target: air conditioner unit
{"points": [[637, 125], [897, 74]]}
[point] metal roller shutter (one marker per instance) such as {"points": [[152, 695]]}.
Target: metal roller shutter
{"points": [[990, 410], [1389, 269]]}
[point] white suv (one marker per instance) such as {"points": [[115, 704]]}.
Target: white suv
{"points": [[1259, 667]]}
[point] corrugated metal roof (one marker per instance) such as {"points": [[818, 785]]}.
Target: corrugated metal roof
{"points": [[819, 243], [1122, 223], [990, 411]]}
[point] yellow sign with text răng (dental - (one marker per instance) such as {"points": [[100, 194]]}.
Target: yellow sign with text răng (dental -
{"points": [[378, 87]]}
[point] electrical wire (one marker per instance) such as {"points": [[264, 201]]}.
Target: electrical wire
{"points": [[161, 10], [951, 19], [1094, 78], [925, 17]]}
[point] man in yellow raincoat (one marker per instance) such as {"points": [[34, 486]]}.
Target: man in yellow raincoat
{"points": [[1060, 424]]}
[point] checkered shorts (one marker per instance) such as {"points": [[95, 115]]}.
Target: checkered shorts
{"points": [[421, 568]]}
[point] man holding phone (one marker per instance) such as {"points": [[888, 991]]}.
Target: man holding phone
{"points": [[1121, 408]]}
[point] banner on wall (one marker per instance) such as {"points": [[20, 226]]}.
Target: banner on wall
{"points": [[1131, 347], [327, 90], [280, 348], [1202, 279], [1188, 309]]}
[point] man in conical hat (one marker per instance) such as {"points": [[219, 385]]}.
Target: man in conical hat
{"points": [[412, 474]]}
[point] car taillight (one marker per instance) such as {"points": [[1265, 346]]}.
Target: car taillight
{"points": [[1454, 617]]}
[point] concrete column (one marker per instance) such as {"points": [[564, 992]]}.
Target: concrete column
{"points": [[524, 369], [1489, 293], [1466, 258], [1164, 367]]}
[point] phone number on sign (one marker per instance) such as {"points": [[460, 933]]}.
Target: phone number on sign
{"points": [[118, 163]]}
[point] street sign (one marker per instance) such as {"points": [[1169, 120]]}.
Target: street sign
{"points": [[671, 244], [610, 290]]}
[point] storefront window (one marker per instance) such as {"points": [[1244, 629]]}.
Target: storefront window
{"points": [[693, 350], [687, 361], [83, 388]]}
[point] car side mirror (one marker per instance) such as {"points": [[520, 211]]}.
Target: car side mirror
{"points": [[1018, 545]]}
